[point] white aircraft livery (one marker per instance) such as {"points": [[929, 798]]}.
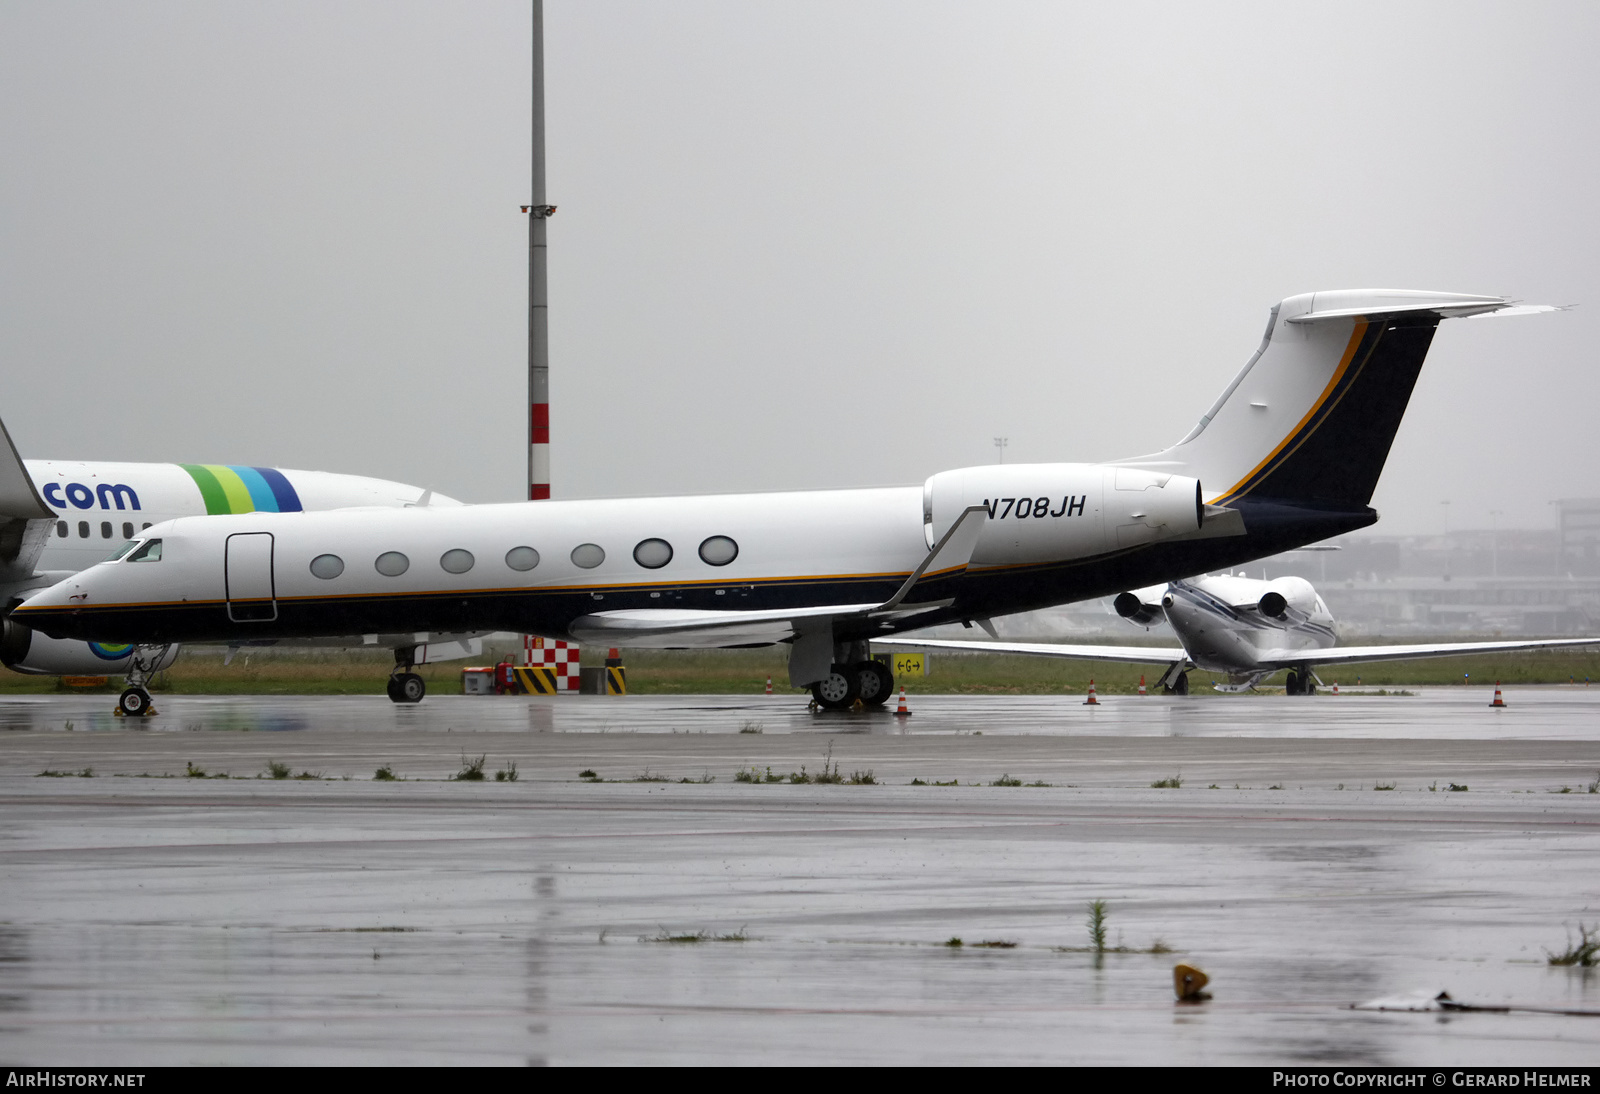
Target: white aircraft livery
{"points": [[58, 517], [1244, 629], [1289, 455]]}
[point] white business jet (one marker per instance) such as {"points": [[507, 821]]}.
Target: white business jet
{"points": [[1244, 629], [58, 517], [1288, 455]]}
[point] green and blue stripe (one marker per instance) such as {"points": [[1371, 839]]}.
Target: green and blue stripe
{"points": [[227, 488]]}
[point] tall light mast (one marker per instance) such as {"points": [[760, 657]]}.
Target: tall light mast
{"points": [[538, 288]]}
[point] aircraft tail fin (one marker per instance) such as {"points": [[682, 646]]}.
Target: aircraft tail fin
{"points": [[1311, 417]]}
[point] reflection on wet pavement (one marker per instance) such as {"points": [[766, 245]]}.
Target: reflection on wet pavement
{"points": [[253, 920]]}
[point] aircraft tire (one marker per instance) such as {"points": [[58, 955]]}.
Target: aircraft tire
{"points": [[838, 690], [1180, 686], [1292, 684], [134, 702], [408, 687], [875, 682]]}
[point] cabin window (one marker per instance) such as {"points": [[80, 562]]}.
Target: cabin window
{"points": [[105, 529], [522, 558], [586, 556], [61, 528], [392, 564], [124, 549], [653, 554], [458, 561], [718, 551], [83, 529], [150, 551], [127, 529], [327, 567], [143, 526]]}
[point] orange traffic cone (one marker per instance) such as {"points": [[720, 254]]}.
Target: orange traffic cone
{"points": [[1498, 701], [1336, 687], [1091, 701], [902, 712], [1141, 685], [769, 685]]}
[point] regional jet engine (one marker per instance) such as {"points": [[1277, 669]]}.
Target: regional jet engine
{"points": [[25, 650], [1142, 607]]}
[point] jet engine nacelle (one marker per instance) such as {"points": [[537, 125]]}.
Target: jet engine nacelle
{"points": [[1045, 512], [25, 650], [1142, 607], [1285, 595]]}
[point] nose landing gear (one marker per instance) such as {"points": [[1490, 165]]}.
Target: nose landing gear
{"points": [[134, 702]]}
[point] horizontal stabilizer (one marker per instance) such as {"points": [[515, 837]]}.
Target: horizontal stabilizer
{"points": [[1346, 655], [1136, 655]]}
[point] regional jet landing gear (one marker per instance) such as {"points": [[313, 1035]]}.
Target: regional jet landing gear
{"points": [[142, 665], [406, 686]]}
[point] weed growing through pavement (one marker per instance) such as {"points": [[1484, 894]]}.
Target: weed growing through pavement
{"points": [[1434, 786], [994, 944], [1383, 786], [1457, 787], [1275, 786], [1039, 783], [648, 776], [862, 778], [698, 936], [1172, 783], [830, 770], [752, 727], [705, 777], [1006, 780], [50, 773], [277, 770], [508, 773], [588, 773], [954, 943], [1584, 953], [1213, 786], [309, 775], [385, 774], [1594, 787], [1097, 925], [471, 770], [193, 772]]}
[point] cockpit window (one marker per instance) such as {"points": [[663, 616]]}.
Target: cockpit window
{"points": [[149, 551], [124, 549]]}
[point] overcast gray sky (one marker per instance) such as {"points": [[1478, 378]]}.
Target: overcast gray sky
{"points": [[799, 244]]}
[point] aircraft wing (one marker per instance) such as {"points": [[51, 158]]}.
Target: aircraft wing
{"points": [[1345, 655], [24, 517], [1137, 655], [684, 627]]}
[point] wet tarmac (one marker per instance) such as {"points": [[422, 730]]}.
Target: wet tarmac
{"points": [[149, 917]]}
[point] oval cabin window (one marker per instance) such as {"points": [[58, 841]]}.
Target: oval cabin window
{"points": [[392, 564], [586, 556], [653, 554], [718, 551], [327, 567], [457, 561], [522, 558]]}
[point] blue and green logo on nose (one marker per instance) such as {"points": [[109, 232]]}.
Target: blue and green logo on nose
{"points": [[110, 651], [230, 489]]}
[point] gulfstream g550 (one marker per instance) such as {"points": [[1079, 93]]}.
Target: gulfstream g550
{"points": [[1288, 455]]}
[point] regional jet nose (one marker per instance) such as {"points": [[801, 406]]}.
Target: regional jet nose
{"points": [[52, 611]]}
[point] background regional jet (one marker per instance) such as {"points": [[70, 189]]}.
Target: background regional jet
{"points": [[1289, 455], [58, 517], [1247, 630]]}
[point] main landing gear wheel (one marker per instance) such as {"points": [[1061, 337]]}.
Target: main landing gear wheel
{"points": [[407, 687], [134, 702], [1298, 683], [839, 689], [1180, 686], [875, 682]]}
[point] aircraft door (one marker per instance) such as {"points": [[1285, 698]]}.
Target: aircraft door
{"points": [[252, 597]]}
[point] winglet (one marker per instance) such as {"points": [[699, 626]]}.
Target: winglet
{"points": [[952, 552], [18, 497]]}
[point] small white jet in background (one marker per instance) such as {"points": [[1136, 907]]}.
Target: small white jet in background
{"points": [[1243, 629]]}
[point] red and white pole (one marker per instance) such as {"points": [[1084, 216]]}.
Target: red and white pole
{"points": [[538, 288]]}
